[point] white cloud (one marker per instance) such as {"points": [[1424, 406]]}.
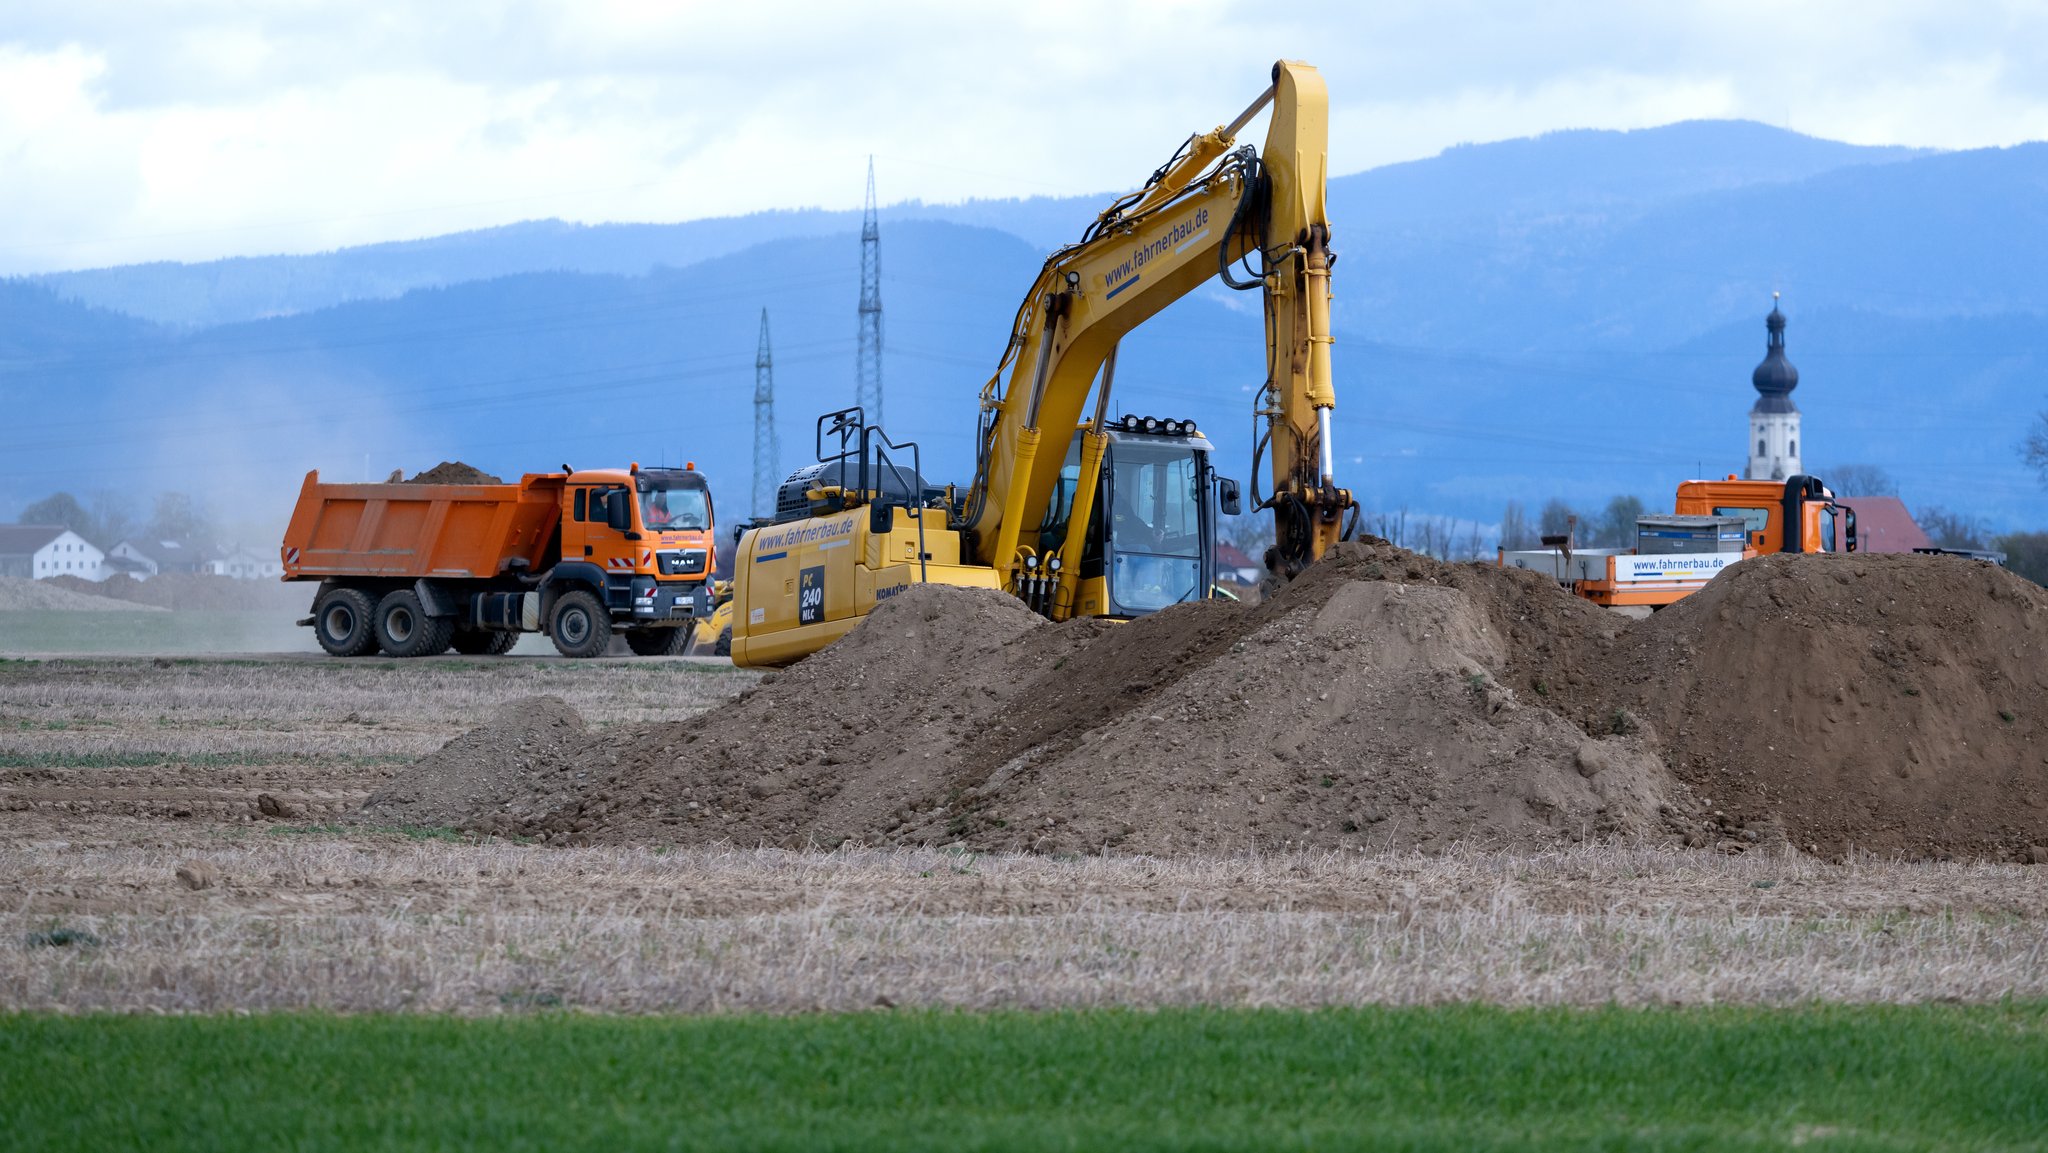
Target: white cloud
{"points": [[196, 129]]}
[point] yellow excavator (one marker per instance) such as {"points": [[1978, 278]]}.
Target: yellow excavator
{"points": [[1082, 514]]}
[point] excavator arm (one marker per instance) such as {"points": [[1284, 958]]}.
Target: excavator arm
{"points": [[1212, 207], [1028, 521]]}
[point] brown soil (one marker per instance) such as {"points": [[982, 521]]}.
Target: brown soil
{"points": [[454, 472], [1896, 703], [481, 765], [196, 592], [1882, 703], [54, 594], [1353, 710]]}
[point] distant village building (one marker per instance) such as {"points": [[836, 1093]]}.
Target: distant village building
{"points": [[131, 559], [1774, 419], [40, 551], [1884, 525], [175, 555], [243, 564]]}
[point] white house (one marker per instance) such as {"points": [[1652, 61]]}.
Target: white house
{"points": [[242, 564], [39, 551], [130, 558]]}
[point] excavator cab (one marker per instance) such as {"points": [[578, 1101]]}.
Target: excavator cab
{"points": [[1159, 494]]}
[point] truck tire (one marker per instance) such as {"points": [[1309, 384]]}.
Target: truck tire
{"points": [[484, 642], [579, 625], [724, 646], [405, 630], [658, 642], [343, 623]]}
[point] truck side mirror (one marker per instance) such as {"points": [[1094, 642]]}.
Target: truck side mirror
{"points": [[1227, 498], [1849, 531], [618, 509]]}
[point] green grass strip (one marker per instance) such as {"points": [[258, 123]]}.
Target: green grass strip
{"points": [[1464, 1077]]}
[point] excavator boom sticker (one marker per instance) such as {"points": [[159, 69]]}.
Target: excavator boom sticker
{"points": [[1176, 240]]}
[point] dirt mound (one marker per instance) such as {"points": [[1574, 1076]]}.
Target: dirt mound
{"points": [[453, 472], [18, 594], [1892, 703], [1341, 713], [196, 592], [525, 740], [1886, 703]]}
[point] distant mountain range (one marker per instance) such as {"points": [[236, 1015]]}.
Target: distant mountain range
{"points": [[1572, 315]]}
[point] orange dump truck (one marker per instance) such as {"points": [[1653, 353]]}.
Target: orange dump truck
{"points": [[1715, 524], [417, 569]]}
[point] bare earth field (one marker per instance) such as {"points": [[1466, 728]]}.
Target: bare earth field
{"points": [[141, 871]]}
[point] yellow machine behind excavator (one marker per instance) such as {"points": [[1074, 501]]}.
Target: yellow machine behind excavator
{"points": [[1078, 513]]}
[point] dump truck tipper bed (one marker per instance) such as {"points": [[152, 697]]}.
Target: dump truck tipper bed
{"points": [[421, 530]]}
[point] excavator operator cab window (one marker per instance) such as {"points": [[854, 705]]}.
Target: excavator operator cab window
{"points": [[1156, 519]]}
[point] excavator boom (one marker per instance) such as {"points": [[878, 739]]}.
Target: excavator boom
{"points": [[1071, 511], [1208, 209]]}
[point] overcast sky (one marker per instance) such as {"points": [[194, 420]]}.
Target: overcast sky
{"points": [[204, 128]]}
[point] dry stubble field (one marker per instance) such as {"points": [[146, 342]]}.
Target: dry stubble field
{"points": [[115, 775]]}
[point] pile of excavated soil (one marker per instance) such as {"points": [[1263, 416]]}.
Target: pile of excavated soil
{"points": [[453, 472], [1341, 713], [1880, 703], [196, 592], [19, 593], [482, 766], [1885, 702]]}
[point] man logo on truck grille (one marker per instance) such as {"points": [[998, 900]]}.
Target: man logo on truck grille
{"points": [[810, 596]]}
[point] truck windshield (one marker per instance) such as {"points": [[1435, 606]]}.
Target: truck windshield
{"points": [[674, 503], [1156, 526]]}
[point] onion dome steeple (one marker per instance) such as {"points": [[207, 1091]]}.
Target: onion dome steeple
{"points": [[1774, 419], [1775, 378]]}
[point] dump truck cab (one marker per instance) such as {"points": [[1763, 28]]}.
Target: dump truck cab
{"points": [[643, 536], [1796, 515]]}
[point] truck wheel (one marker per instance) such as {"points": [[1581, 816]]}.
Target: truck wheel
{"points": [[484, 642], [657, 642], [579, 625], [405, 629], [724, 646], [342, 622]]}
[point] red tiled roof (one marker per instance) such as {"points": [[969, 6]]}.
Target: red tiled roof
{"points": [[1884, 525], [1231, 556]]}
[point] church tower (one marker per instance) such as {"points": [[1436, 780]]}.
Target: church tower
{"points": [[1774, 419]]}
